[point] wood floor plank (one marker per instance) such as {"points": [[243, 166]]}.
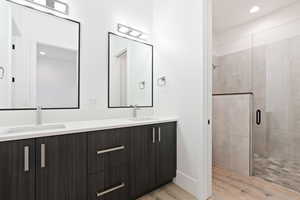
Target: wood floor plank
{"points": [[229, 186]]}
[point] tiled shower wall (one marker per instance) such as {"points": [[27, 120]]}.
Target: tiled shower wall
{"points": [[232, 73], [232, 132], [272, 72], [232, 114], [276, 86]]}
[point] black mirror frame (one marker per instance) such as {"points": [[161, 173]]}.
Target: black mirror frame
{"points": [[152, 74], [78, 61]]}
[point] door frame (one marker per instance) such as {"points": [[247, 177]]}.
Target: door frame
{"points": [[207, 99]]}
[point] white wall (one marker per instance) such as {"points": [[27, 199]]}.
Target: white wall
{"points": [[241, 37], [179, 54], [4, 55], [97, 19]]}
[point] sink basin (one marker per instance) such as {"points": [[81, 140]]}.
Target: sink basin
{"points": [[34, 128], [142, 119]]}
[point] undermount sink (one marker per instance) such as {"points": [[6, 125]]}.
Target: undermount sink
{"points": [[142, 119], [33, 128]]}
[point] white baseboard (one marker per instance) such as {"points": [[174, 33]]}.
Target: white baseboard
{"points": [[186, 182]]}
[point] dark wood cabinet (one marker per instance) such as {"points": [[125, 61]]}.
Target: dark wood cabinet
{"points": [[143, 160], [167, 156], [17, 170], [108, 149], [116, 164], [111, 184], [108, 161], [153, 159], [61, 171]]}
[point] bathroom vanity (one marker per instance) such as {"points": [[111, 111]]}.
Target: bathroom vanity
{"points": [[107, 160], [119, 159]]}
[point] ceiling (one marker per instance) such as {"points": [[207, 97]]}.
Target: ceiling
{"points": [[230, 13]]}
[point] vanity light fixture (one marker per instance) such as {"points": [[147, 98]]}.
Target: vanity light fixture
{"points": [[53, 5], [132, 32], [41, 2], [135, 33], [144, 36], [254, 9], [123, 29], [61, 7], [42, 53]]}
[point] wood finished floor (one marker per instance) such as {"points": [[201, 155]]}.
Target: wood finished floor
{"points": [[229, 186]]}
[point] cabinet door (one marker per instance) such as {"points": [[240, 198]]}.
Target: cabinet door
{"points": [[61, 168], [111, 184], [109, 158], [17, 170], [143, 151], [108, 149], [167, 161]]}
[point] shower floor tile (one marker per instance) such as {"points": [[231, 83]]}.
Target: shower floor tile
{"points": [[282, 172]]}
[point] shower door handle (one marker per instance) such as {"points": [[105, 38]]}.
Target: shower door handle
{"points": [[258, 117]]}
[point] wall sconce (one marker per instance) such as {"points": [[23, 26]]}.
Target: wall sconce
{"points": [[53, 5], [162, 81], [132, 32]]}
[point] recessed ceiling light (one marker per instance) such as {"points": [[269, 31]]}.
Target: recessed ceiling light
{"points": [[254, 9], [42, 53]]}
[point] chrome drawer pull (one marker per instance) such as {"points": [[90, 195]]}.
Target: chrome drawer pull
{"points": [[100, 194], [159, 135], [26, 158], [110, 150], [43, 155], [153, 135]]}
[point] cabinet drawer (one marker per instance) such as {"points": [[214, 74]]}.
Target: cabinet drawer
{"points": [[110, 185], [108, 149]]}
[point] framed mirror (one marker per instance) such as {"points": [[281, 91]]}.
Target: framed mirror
{"points": [[39, 58], [130, 77]]}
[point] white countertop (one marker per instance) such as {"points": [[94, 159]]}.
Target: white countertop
{"points": [[82, 127]]}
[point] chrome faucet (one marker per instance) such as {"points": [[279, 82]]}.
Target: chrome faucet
{"points": [[135, 109], [38, 116]]}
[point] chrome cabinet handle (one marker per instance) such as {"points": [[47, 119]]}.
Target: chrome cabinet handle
{"points": [[110, 150], [43, 155], [26, 159], [153, 135], [100, 194], [159, 135]]}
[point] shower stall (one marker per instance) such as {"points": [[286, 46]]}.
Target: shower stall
{"points": [[276, 89], [266, 66]]}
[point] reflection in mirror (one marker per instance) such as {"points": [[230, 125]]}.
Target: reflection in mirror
{"points": [[130, 73], [39, 53]]}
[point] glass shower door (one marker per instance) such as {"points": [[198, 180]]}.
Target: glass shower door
{"points": [[276, 88]]}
